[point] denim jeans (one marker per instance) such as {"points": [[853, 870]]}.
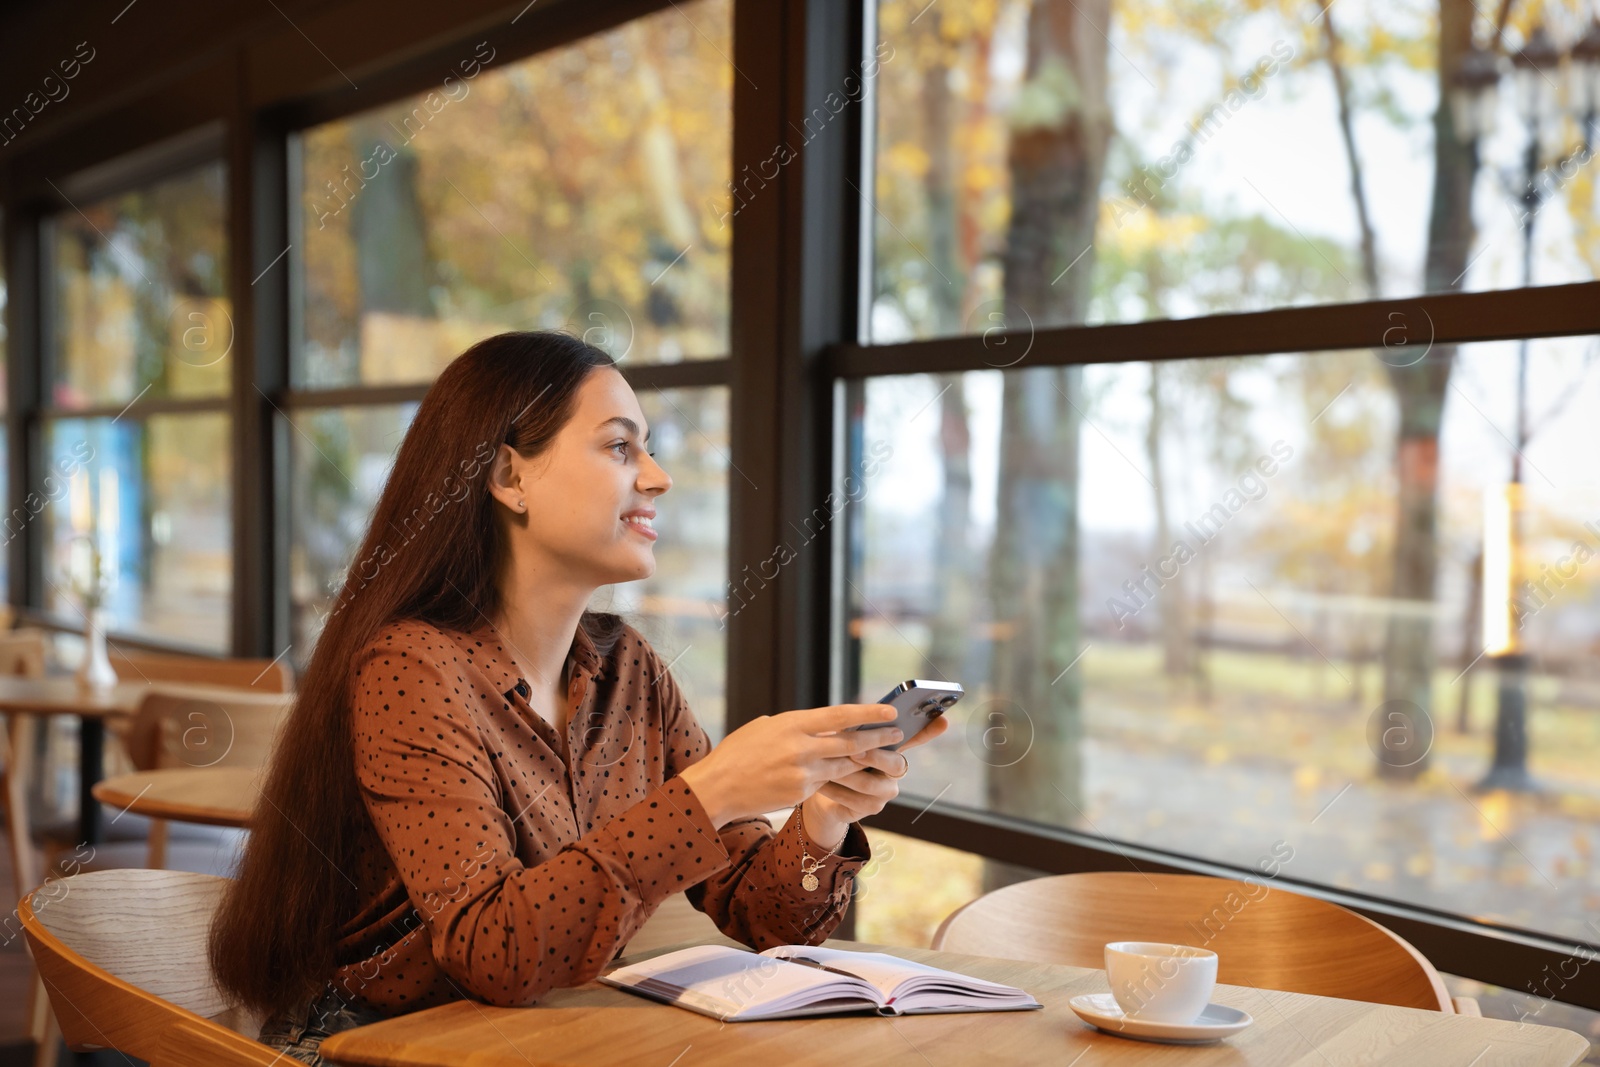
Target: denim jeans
{"points": [[299, 1034]]}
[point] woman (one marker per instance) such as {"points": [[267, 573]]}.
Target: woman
{"points": [[484, 790]]}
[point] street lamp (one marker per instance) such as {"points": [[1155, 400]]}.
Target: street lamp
{"points": [[1535, 70], [1475, 96], [1584, 80], [1537, 75], [1502, 638]]}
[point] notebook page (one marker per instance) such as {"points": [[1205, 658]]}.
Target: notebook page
{"points": [[886, 972], [732, 979]]}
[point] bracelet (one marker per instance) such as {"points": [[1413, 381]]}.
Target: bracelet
{"points": [[809, 866]]}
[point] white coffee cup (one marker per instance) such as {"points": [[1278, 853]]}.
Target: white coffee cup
{"points": [[1161, 983]]}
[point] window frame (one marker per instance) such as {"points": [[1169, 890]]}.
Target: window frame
{"points": [[795, 369], [545, 31], [166, 158], [1501, 955]]}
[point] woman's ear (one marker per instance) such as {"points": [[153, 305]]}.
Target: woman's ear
{"points": [[505, 479]]}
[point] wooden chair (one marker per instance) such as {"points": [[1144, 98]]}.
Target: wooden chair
{"points": [[123, 956], [172, 729], [22, 652], [254, 675], [1263, 935], [261, 675]]}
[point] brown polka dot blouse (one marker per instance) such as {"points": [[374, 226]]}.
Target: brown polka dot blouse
{"points": [[511, 863]]}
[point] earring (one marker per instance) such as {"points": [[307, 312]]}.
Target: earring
{"points": [[521, 504]]}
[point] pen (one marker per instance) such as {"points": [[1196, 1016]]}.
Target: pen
{"points": [[809, 962]]}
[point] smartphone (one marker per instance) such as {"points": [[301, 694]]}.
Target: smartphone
{"points": [[917, 702]]}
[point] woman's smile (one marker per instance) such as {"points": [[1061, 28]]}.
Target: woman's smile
{"points": [[641, 521]]}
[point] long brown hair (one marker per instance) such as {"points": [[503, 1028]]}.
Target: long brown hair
{"points": [[432, 552]]}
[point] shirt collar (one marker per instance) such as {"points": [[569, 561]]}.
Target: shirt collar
{"points": [[487, 650]]}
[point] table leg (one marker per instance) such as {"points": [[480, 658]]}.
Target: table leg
{"points": [[91, 768], [19, 779]]}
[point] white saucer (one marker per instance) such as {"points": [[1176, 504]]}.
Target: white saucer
{"points": [[1215, 1023]]}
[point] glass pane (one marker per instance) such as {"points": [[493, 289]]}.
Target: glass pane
{"points": [[342, 457], [910, 886], [583, 188], [153, 496], [1053, 162], [141, 306], [682, 608], [1213, 607], [339, 460]]}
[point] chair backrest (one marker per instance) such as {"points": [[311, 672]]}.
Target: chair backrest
{"points": [[22, 652], [1263, 935], [257, 675], [123, 958], [179, 729]]}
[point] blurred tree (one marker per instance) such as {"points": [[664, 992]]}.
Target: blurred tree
{"points": [[1060, 130], [1408, 648], [394, 265], [939, 43], [1178, 658]]}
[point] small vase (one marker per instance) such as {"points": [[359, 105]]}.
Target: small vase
{"points": [[96, 672]]}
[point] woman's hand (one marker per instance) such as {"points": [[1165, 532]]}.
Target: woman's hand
{"points": [[856, 794], [777, 761]]}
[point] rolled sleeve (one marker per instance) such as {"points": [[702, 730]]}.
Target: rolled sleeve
{"points": [[662, 845]]}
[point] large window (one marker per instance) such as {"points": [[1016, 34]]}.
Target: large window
{"points": [[1171, 611], [571, 190], [136, 424], [1224, 158], [680, 609], [1340, 602]]}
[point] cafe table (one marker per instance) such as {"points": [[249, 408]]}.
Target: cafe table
{"points": [[60, 694], [596, 1024]]}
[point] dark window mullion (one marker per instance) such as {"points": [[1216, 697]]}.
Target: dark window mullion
{"points": [[140, 409], [259, 275], [689, 374], [1439, 318], [47, 342], [792, 295], [24, 242]]}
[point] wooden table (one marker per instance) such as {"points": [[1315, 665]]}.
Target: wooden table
{"points": [[212, 796], [60, 694], [597, 1024]]}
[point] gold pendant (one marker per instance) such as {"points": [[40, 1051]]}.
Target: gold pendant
{"points": [[809, 880]]}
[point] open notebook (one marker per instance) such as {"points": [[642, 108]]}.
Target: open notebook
{"points": [[788, 981]]}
